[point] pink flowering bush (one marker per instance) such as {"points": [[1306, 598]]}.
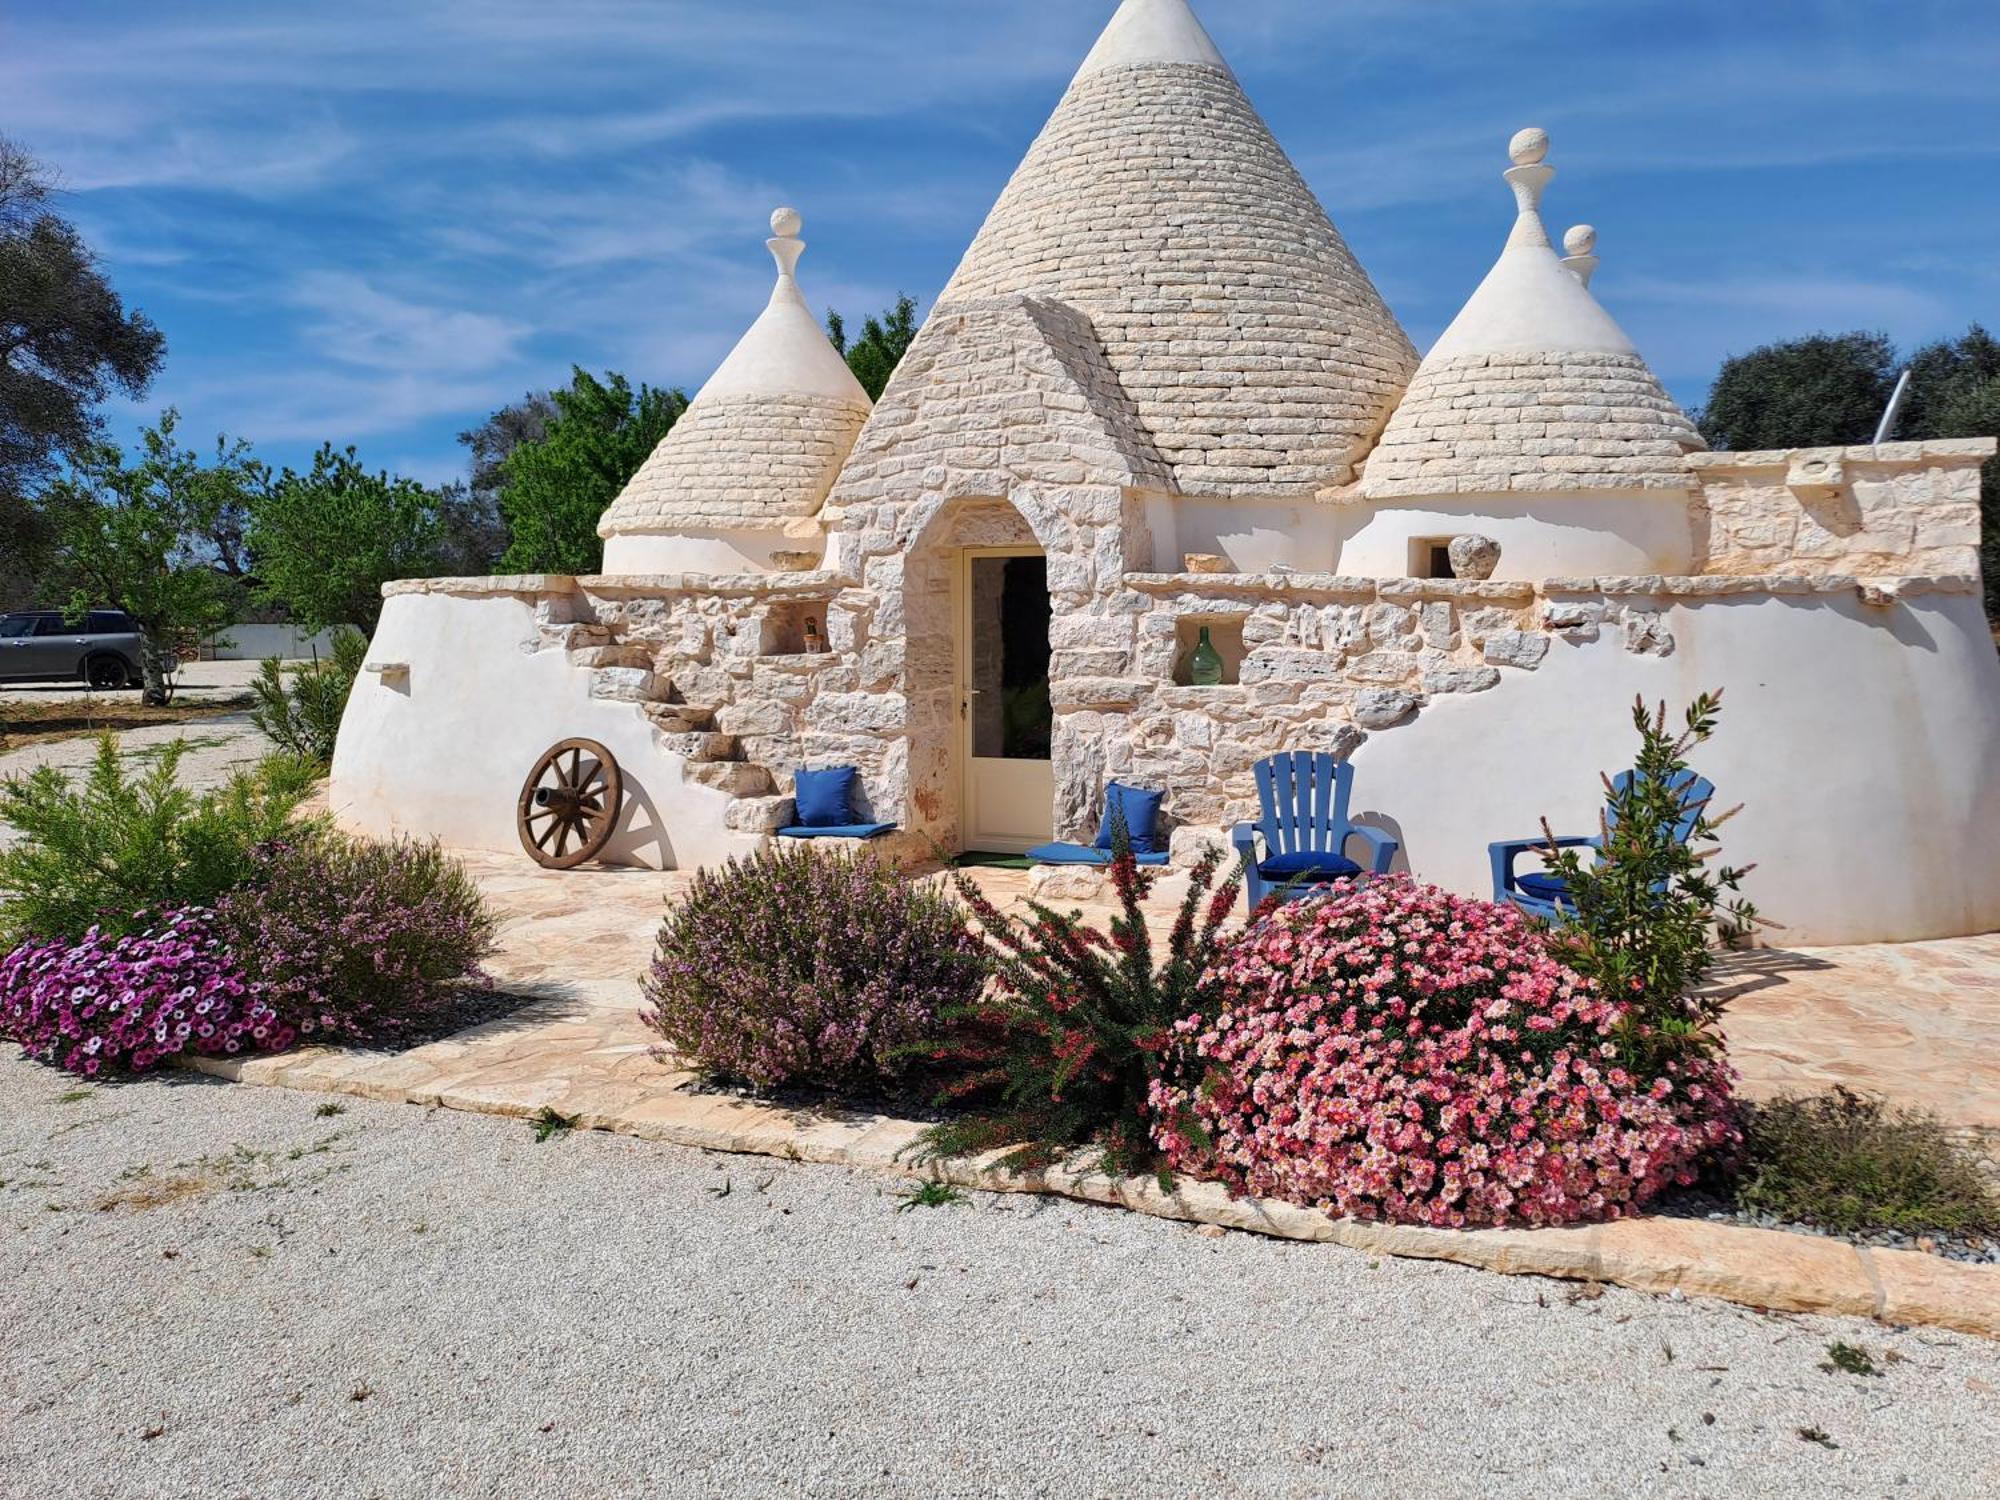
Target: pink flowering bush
{"points": [[800, 967], [1393, 1051], [115, 1001]]}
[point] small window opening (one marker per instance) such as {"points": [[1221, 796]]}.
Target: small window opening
{"points": [[1430, 557]]}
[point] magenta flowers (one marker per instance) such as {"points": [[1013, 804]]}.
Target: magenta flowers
{"points": [[135, 1001], [1393, 1051]]}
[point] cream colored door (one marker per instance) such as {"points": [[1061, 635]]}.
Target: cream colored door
{"points": [[1003, 699]]}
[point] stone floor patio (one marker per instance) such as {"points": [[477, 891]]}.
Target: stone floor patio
{"points": [[1918, 1023]]}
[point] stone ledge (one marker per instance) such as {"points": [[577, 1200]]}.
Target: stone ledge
{"points": [[1762, 1268], [1258, 583], [821, 583], [497, 586], [1919, 451]]}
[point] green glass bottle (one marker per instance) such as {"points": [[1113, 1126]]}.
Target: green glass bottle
{"points": [[1205, 663]]}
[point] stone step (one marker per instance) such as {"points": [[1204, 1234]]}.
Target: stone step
{"points": [[575, 637], [737, 777], [701, 746], [626, 685], [613, 655], [758, 814], [680, 718]]}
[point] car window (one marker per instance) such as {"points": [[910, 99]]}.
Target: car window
{"points": [[108, 622], [13, 625], [53, 625]]}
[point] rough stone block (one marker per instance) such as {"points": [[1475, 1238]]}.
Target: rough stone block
{"points": [[1516, 648], [1380, 708], [1460, 679]]}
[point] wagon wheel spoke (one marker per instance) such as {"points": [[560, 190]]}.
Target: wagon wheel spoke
{"points": [[569, 804]]}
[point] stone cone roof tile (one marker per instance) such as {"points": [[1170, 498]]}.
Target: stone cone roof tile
{"points": [[761, 445], [1534, 388], [1252, 344]]}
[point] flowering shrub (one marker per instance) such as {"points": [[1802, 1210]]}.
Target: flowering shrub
{"points": [[133, 1001], [1394, 1051], [801, 967], [1064, 1052], [357, 938]]}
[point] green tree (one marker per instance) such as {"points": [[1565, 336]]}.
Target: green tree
{"points": [[554, 488], [135, 536], [324, 542], [66, 343], [884, 341], [1955, 392], [1815, 392]]}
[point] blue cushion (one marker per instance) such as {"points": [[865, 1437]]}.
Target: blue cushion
{"points": [[1308, 864], [1539, 885], [1140, 810], [839, 831], [1081, 854], [825, 799]]}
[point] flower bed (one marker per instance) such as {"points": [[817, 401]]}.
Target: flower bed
{"points": [[1393, 1051], [135, 1001]]}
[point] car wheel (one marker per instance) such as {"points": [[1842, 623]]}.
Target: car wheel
{"points": [[107, 673]]}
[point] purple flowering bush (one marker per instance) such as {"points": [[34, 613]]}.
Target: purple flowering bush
{"points": [[354, 939], [797, 967], [132, 1001]]}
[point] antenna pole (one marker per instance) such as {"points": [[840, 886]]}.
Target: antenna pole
{"points": [[1895, 407]]}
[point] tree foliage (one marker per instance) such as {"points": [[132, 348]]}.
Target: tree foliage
{"points": [[299, 706], [135, 535], [884, 341], [325, 542], [554, 488], [66, 343]]}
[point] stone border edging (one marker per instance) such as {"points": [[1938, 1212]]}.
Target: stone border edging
{"points": [[1761, 1268]]}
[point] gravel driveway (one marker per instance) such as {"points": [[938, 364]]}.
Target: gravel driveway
{"points": [[213, 1290]]}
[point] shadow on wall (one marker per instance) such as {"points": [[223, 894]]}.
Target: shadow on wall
{"points": [[640, 830]]}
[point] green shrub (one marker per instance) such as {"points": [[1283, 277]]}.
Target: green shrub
{"points": [[299, 711], [1849, 1163], [115, 846], [357, 939], [1063, 1054], [1652, 911], [798, 967]]}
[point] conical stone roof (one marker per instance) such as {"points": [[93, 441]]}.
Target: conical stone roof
{"points": [[1155, 201], [759, 448], [1534, 388]]}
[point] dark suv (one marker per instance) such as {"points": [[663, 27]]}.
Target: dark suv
{"points": [[40, 645]]}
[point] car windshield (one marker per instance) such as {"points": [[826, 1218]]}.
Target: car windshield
{"points": [[11, 625]]}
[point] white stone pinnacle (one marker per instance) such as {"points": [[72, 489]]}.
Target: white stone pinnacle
{"points": [[786, 352], [1580, 252], [1147, 32]]}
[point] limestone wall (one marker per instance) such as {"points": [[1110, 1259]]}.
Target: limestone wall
{"points": [[1897, 509]]}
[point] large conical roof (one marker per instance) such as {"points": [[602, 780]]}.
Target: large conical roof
{"points": [[762, 443], [1250, 341], [1534, 387]]}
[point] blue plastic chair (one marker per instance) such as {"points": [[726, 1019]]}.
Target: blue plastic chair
{"points": [[1544, 894], [1305, 829]]}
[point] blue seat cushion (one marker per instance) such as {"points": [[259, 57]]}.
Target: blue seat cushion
{"points": [[1140, 810], [1539, 885], [825, 799], [839, 831], [1083, 854], [1308, 864]]}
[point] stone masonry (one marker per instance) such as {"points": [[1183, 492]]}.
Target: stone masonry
{"points": [[1537, 422], [1256, 351], [761, 461]]}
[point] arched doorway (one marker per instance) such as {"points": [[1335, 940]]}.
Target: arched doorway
{"points": [[1006, 722]]}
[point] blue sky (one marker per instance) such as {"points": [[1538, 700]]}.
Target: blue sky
{"points": [[374, 221]]}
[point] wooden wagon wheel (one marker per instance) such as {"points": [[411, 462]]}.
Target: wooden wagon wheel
{"points": [[569, 804]]}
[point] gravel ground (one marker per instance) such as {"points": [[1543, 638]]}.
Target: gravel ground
{"points": [[211, 1290]]}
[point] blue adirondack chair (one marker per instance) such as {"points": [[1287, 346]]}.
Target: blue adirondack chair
{"points": [[1305, 829], [1542, 893]]}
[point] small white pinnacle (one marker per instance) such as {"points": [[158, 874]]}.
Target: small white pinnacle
{"points": [[785, 223], [786, 247], [1528, 146], [1580, 257]]}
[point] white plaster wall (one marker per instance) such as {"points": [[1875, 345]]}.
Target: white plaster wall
{"points": [[444, 751], [1865, 745], [1255, 535], [1540, 536], [737, 550]]}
